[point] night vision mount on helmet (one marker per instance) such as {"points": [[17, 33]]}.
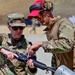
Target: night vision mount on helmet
{"points": [[48, 6]]}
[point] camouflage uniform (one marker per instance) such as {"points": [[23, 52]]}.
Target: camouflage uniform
{"points": [[60, 42], [60, 35], [14, 67]]}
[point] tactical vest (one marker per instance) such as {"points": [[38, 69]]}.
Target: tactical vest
{"points": [[62, 59]]}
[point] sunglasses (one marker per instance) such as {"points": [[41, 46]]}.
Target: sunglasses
{"points": [[16, 28], [39, 16]]}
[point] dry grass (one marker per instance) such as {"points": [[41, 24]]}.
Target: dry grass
{"points": [[64, 8]]}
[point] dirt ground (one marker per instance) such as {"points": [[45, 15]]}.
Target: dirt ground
{"points": [[39, 30]]}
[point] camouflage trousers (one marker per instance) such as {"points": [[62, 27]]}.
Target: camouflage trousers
{"points": [[5, 71], [53, 63]]}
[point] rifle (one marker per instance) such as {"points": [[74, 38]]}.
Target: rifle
{"points": [[61, 70], [23, 58]]}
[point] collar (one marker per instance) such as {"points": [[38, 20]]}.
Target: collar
{"points": [[53, 22], [12, 41]]}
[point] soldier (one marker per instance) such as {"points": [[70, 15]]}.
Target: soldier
{"points": [[15, 41], [60, 35], [33, 26]]}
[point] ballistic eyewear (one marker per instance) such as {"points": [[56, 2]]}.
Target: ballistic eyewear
{"points": [[16, 28]]}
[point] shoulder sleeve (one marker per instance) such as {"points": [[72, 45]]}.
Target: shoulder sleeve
{"points": [[3, 38], [65, 41]]}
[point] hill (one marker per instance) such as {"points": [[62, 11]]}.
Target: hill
{"points": [[64, 8]]}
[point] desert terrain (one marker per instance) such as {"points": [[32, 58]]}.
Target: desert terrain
{"points": [[63, 8]]}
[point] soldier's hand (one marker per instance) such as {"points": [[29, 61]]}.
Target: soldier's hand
{"points": [[30, 63], [32, 49], [10, 55]]}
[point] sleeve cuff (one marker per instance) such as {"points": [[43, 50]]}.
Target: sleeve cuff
{"points": [[34, 70], [31, 71]]}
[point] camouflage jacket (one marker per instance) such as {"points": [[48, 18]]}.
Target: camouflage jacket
{"points": [[14, 67], [60, 42]]}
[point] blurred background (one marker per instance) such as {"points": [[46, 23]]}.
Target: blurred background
{"points": [[65, 8]]}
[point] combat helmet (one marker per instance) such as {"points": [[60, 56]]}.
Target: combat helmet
{"points": [[47, 5], [39, 6]]}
